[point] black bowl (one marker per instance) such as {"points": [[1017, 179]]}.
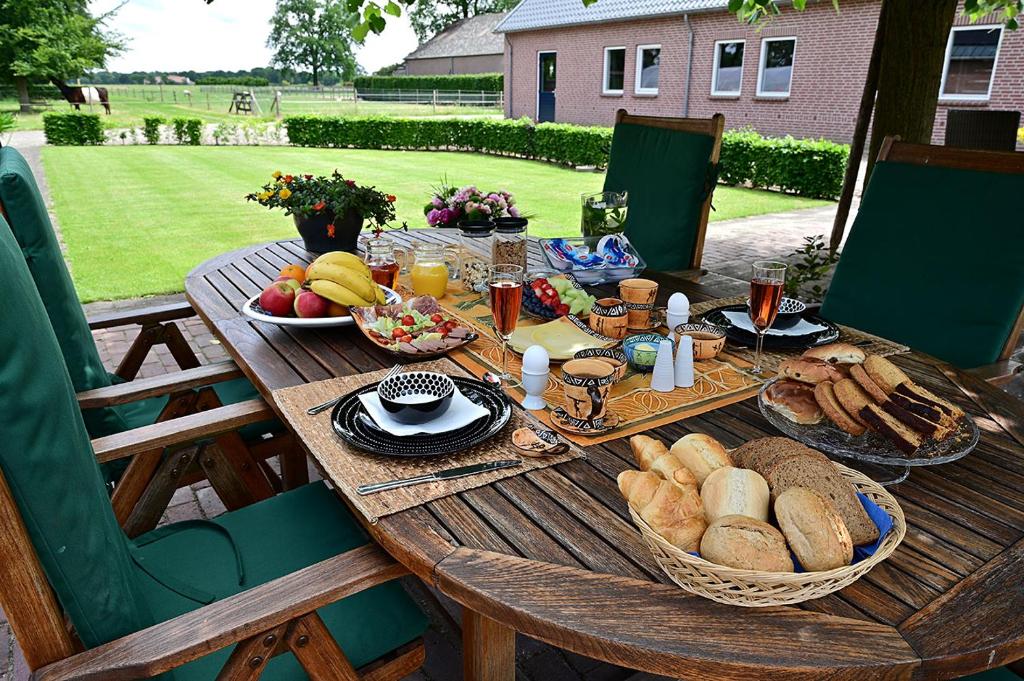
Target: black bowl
{"points": [[416, 396]]}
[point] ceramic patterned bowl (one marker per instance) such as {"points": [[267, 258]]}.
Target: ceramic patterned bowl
{"points": [[708, 339], [613, 356], [788, 307], [416, 396], [642, 350]]}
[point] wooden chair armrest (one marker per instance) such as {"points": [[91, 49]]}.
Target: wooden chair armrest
{"points": [[181, 430], [147, 315], [165, 384], [187, 637], [997, 373]]}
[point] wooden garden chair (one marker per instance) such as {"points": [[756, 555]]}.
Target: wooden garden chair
{"points": [[286, 588], [112, 404], [669, 166], [934, 258]]}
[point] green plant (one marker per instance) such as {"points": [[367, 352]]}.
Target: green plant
{"points": [[251, 81], [73, 128], [812, 168], [488, 82], [6, 121], [188, 130], [151, 128], [224, 133], [813, 264]]}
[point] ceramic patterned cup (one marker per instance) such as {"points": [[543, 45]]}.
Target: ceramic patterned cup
{"points": [[612, 356], [608, 317], [638, 296], [708, 339], [586, 384]]}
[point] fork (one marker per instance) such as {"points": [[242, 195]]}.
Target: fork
{"points": [[313, 411]]}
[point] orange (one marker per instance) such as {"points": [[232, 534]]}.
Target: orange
{"points": [[336, 310], [297, 272]]}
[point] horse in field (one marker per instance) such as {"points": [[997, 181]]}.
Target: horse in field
{"points": [[78, 95]]}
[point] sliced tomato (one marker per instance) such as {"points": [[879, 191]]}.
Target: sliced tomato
{"points": [[398, 332], [406, 339], [436, 318], [408, 320]]}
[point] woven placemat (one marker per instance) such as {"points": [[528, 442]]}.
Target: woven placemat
{"points": [[870, 344], [347, 468]]}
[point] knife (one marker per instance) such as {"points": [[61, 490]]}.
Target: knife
{"points": [[447, 474]]}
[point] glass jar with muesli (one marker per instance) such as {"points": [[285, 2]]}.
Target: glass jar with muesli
{"points": [[510, 242], [477, 240]]}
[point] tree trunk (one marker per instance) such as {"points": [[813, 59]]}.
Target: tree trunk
{"points": [[21, 83], [316, 75], [911, 68]]}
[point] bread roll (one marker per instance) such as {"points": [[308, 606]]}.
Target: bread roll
{"points": [[734, 491], [673, 511], [811, 371], [794, 400], [836, 353], [814, 530], [701, 454], [745, 544]]}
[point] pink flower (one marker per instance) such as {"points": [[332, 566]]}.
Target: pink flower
{"points": [[485, 209], [437, 202], [433, 217], [444, 216], [513, 211]]}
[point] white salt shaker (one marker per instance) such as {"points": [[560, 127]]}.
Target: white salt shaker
{"points": [[536, 369], [663, 380], [677, 312], [684, 363]]}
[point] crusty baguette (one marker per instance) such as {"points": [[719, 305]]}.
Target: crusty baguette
{"points": [[814, 529], [701, 454]]}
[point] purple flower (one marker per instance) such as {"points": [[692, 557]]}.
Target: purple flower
{"points": [[485, 209], [493, 197], [433, 217], [444, 216], [437, 202], [513, 211]]}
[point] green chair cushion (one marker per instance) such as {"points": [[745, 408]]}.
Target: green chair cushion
{"points": [[933, 260], [665, 172], [997, 674], [52, 472], [32, 229], [276, 537]]}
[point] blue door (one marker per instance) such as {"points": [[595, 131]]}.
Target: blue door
{"points": [[546, 69]]}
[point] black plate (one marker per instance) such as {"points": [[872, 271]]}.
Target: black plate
{"points": [[798, 332], [353, 425]]}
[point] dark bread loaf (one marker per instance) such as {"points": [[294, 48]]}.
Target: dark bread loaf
{"points": [[819, 474], [757, 454]]}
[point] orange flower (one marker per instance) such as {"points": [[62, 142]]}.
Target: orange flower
{"points": [[391, 198], [330, 231], [319, 206], [288, 178]]}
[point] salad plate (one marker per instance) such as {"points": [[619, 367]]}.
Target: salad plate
{"points": [[419, 327], [251, 309]]}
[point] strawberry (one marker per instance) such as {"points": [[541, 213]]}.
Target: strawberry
{"points": [[562, 309]]}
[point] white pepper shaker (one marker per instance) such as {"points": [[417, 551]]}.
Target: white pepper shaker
{"points": [[662, 378], [684, 363]]}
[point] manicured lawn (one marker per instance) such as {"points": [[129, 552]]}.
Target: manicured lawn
{"points": [[136, 219]]}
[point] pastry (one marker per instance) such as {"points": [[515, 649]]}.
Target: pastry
{"points": [[813, 529], [883, 372], [734, 491], [794, 400], [674, 512], [852, 398], [905, 438], [652, 455], [821, 475], [746, 544], [811, 371], [836, 353], [916, 392], [858, 374], [826, 396], [701, 454]]}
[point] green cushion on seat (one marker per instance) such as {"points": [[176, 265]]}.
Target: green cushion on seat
{"points": [[665, 172], [276, 537], [934, 261], [998, 674]]}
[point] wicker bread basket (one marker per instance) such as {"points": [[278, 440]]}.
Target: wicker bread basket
{"points": [[755, 589]]}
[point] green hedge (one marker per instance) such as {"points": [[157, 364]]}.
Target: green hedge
{"points": [[151, 128], [488, 82], [188, 130], [251, 81], [811, 168], [72, 128]]}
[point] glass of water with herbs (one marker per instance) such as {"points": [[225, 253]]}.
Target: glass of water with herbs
{"points": [[603, 213]]}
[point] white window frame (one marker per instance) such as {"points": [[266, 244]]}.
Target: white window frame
{"points": [[943, 97], [760, 66], [639, 67], [714, 69], [604, 75]]}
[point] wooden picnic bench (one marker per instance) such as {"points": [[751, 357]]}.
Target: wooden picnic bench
{"points": [[552, 553]]}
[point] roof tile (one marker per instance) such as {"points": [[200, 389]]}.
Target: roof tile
{"points": [[530, 15]]}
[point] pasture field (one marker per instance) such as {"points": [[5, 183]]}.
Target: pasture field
{"points": [[143, 216]]}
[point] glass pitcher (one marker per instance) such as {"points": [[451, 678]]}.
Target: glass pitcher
{"points": [[433, 265], [385, 260], [603, 213]]}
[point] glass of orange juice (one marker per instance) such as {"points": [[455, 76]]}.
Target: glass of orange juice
{"points": [[433, 265]]}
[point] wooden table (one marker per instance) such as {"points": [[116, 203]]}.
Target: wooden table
{"points": [[552, 553]]}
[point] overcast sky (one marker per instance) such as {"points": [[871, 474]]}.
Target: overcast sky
{"points": [[179, 35]]}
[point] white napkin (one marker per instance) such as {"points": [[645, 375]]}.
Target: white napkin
{"points": [[461, 412]]}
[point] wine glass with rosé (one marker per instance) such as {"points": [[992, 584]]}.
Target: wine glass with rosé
{"points": [[766, 281], [505, 284]]}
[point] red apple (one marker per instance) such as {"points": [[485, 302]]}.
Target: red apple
{"points": [[277, 299], [294, 283], [309, 304]]}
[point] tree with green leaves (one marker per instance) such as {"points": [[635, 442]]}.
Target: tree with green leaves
{"points": [[316, 35], [46, 39], [430, 18]]}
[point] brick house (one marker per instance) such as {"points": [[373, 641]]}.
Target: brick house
{"points": [[467, 46], [802, 74]]}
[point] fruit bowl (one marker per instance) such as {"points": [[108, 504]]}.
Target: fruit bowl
{"points": [[551, 297], [251, 309]]}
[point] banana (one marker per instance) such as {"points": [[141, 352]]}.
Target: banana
{"points": [[337, 293], [345, 259], [361, 284], [381, 298]]}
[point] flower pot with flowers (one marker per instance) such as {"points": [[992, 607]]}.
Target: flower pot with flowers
{"points": [[330, 211], [450, 205]]}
